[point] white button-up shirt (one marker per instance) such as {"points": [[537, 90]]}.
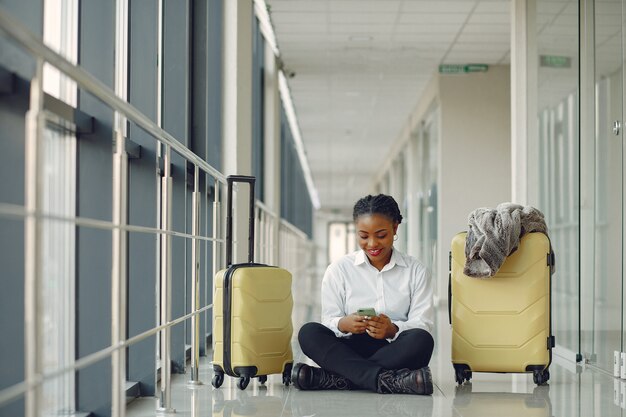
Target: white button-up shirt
{"points": [[402, 291]]}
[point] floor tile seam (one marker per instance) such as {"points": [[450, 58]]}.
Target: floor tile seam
{"points": [[282, 413], [439, 389]]}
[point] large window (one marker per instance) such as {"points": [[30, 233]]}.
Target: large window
{"points": [[59, 200], [341, 240], [295, 201]]}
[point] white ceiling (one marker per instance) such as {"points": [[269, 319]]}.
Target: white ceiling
{"points": [[361, 65]]}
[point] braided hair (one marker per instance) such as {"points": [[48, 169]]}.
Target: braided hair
{"points": [[378, 204]]}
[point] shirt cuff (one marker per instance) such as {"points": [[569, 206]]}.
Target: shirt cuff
{"points": [[333, 324], [401, 327]]}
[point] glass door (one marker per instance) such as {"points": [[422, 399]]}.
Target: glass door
{"points": [[606, 333], [558, 157]]}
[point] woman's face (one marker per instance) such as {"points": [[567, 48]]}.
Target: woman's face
{"points": [[375, 236]]}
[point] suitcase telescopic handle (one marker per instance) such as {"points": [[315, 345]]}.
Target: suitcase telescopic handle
{"points": [[229, 217]]}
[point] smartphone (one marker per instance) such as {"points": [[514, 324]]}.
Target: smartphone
{"points": [[369, 312]]}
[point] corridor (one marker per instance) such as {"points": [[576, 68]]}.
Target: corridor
{"points": [[121, 120]]}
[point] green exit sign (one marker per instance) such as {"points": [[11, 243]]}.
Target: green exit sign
{"points": [[555, 61], [462, 69]]}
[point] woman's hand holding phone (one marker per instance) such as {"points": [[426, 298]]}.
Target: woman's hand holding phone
{"points": [[352, 323], [381, 327]]}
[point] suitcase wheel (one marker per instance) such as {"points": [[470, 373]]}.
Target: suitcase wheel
{"points": [[462, 373], [287, 374], [262, 379], [541, 377], [286, 379], [243, 382], [218, 379]]}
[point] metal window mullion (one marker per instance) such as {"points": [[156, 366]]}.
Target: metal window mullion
{"points": [[159, 183], [70, 259], [119, 217], [195, 280], [217, 231], [165, 397], [32, 243], [118, 277]]}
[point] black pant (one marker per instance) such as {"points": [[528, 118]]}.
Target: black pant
{"points": [[360, 358]]}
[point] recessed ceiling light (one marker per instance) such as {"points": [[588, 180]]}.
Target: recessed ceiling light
{"points": [[360, 38]]}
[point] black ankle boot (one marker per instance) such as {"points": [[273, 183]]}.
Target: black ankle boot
{"points": [[405, 381], [306, 377]]}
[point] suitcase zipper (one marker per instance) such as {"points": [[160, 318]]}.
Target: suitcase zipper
{"points": [[227, 318]]}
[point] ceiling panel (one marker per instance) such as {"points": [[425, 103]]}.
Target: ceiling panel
{"points": [[361, 65], [304, 28], [494, 29], [432, 18], [439, 6], [492, 58], [362, 18], [299, 17], [490, 18], [299, 6], [499, 6], [359, 6], [460, 47], [482, 38]]}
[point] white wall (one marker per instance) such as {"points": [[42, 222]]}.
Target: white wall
{"points": [[475, 151]]}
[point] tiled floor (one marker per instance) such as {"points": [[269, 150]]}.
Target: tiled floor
{"points": [[573, 391]]}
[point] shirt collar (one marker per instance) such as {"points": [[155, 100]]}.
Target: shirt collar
{"points": [[396, 259]]}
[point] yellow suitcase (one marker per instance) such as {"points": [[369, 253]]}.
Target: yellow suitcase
{"points": [[502, 323], [252, 306]]}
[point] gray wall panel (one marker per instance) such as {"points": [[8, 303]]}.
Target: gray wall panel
{"points": [[96, 42], [142, 270], [12, 113], [176, 116], [142, 306], [179, 266], [13, 110], [198, 139], [206, 128], [199, 79], [142, 196], [176, 70], [214, 79], [258, 100], [30, 14], [206, 270], [12, 310]]}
